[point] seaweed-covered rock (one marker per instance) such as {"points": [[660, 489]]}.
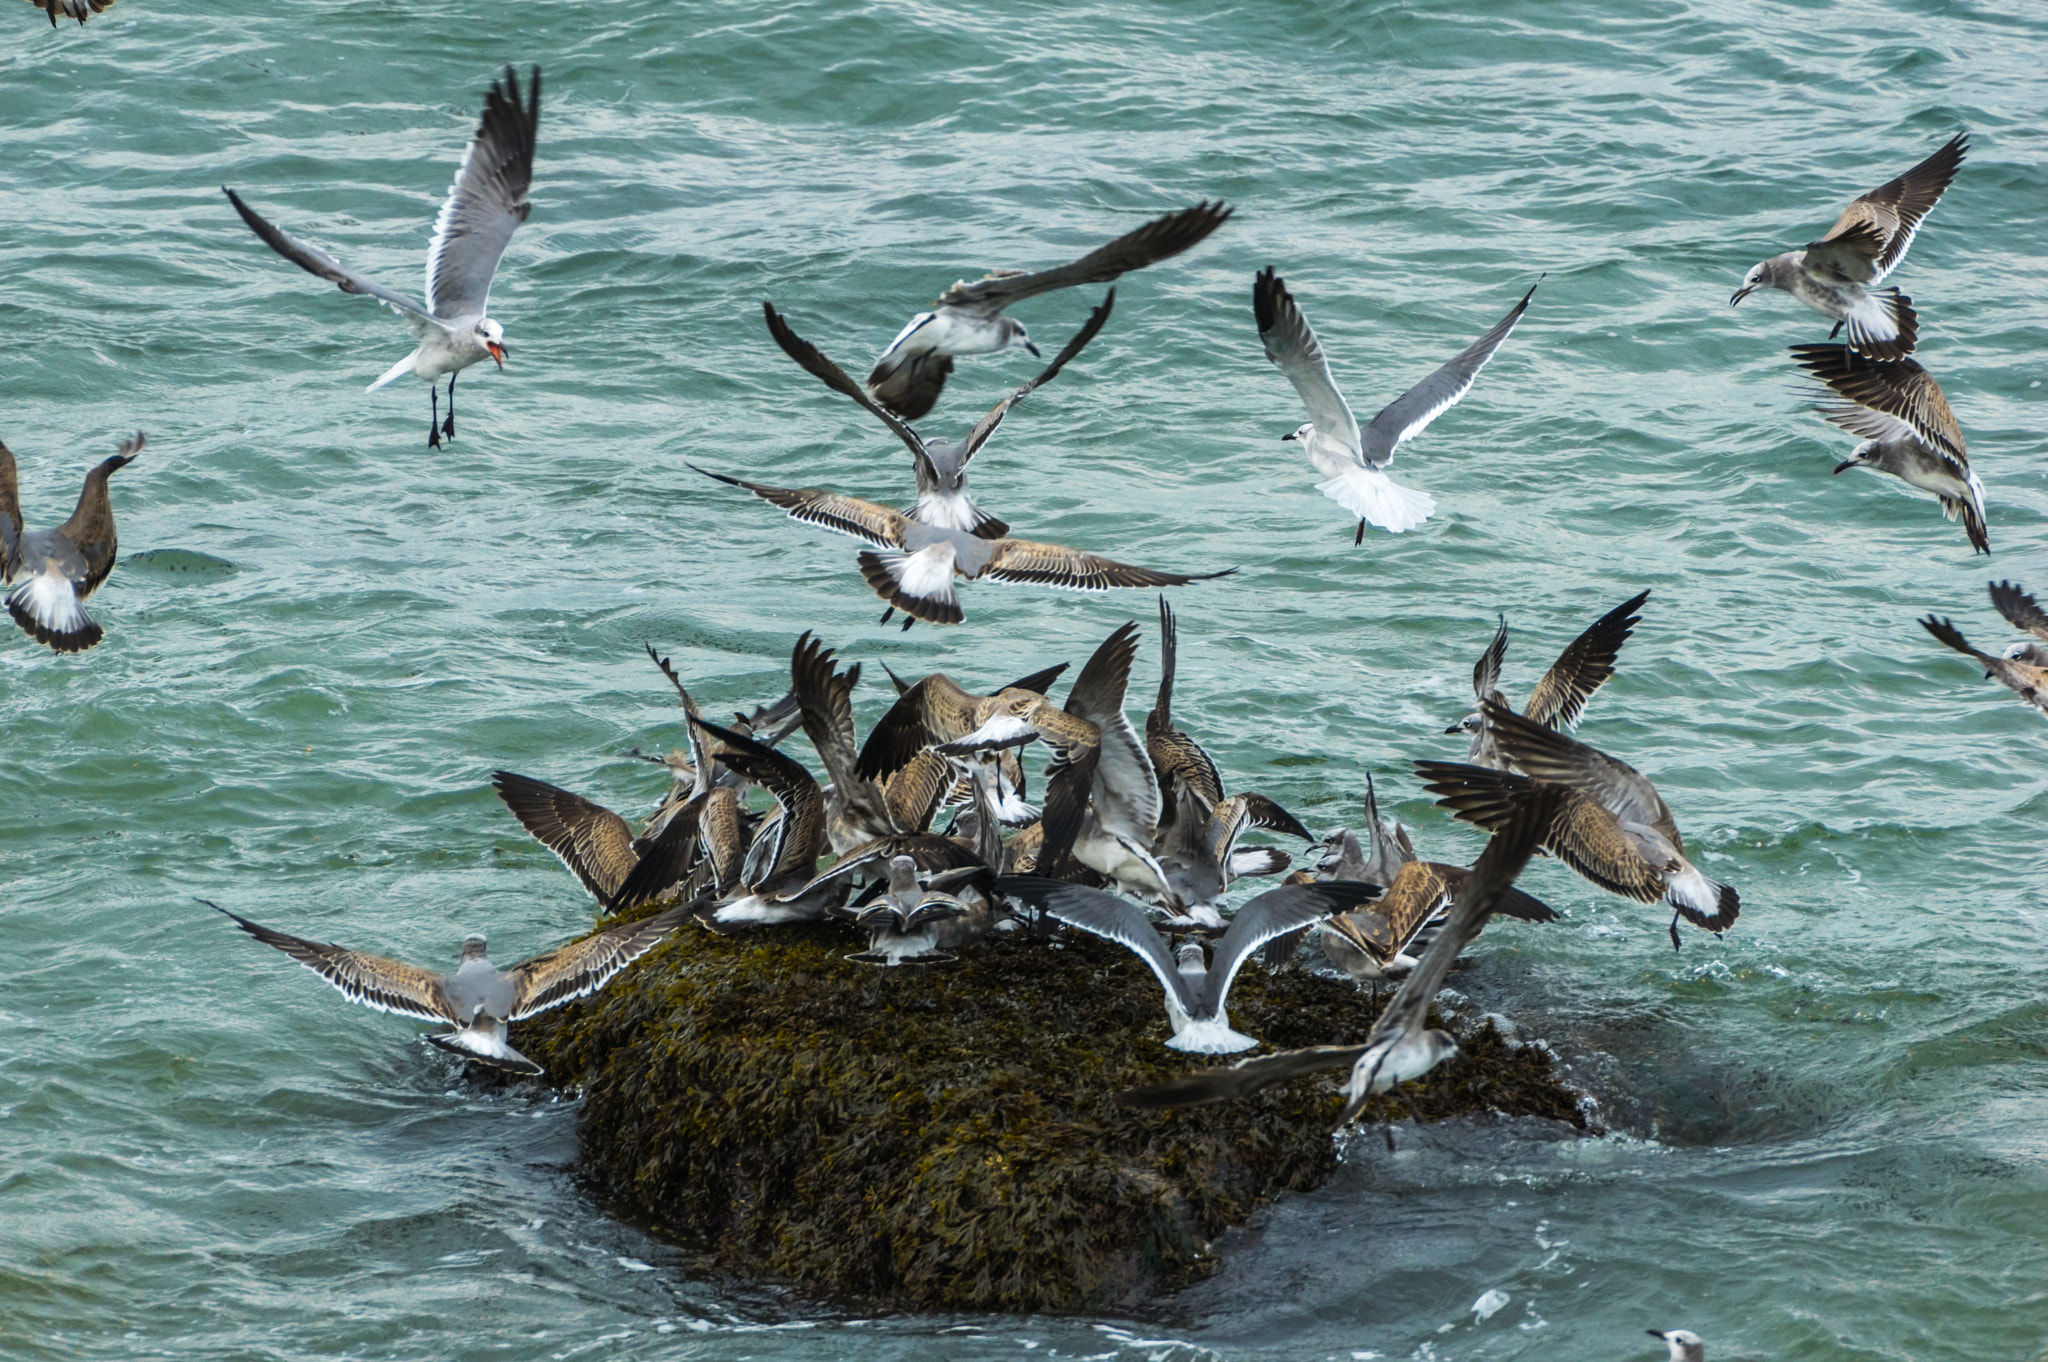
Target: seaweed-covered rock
{"points": [[947, 1137]]}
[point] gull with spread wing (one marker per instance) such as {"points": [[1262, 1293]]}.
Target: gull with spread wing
{"points": [[476, 998], [1351, 457], [485, 205], [943, 498], [60, 567], [1838, 275], [968, 317], [1560, 697], [2024, 667]]}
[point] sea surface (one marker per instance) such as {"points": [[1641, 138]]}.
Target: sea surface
{"points": [[1829, 1129]]}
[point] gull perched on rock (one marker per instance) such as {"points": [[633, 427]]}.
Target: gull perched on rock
{"points": [[485, 205], [1838, 274], [478, 999], [1560, 697], [2024, 668], [1353, 458], [1195, 992], [968, 317], [943, 499], [60, 568], [1906, 426]]}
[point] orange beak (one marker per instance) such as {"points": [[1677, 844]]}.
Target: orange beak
{"points": [[497, 352]]}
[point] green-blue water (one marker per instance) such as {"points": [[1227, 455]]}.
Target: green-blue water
{"points": [[322, 635]]}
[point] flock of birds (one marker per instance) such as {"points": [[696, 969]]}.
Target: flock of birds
{"points": [[1136, 839]]}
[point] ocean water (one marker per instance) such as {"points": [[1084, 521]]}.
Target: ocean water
{"points": [[322, 636]]}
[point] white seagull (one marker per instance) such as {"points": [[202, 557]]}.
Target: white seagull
{"points": [[485, 206], [1332, 439]]}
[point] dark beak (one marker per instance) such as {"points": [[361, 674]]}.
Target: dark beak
{"points": [[498, 352], [1740, 294], [1034, 350], [1657, 1334], [1288, 436], [1455, 728], [1847, 463]]}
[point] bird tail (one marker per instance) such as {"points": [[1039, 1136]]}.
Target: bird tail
{"points": [[484, 1046], [919, 584], [1971, 511], [48, 608], [396, 371], [1374, 497], [1883, 325], [1706, 903]]}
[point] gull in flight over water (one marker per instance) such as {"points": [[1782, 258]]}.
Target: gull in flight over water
{"points": [[60, 568], [80, 10], [968, 317], [485, 206], [1838, 274], [1353, 458], [2023, 667]]}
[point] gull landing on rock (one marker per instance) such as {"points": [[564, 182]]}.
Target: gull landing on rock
{"points": [[485, 205]]}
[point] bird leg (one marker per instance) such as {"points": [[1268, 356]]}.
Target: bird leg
{"points": [[908, 620], [886, 614], [433, 415], [1358, 538], [1674, 930], [448, 428], [1836, 332]]}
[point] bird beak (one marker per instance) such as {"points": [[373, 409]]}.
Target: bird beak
{"points": [[1657, 1334], [1740, 294], [1288, 436], [497, 352], [1035, 354], [1847, 463], [1455, 728]]}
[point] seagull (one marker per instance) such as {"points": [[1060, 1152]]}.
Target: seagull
{"points": [[938, 710], [60, 568], [2024, 668], [1401, 1046], [486, 204], [1612, 826], [1685, 1345], [1907, 429], [1372, 942], [968, 317], [1195, 993], [1332, 440], [915, 570], [943, 499], [1560, 697], [1837, 275], [80, 10], [913, 924], [476, 998]]}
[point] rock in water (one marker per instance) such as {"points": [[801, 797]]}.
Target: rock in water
{"points": [[947, 1138]]}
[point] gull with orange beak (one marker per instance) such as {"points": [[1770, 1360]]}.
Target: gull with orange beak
{"points": [[485, 206]]}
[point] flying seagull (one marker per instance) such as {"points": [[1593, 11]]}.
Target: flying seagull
{"points": [[1195, 992], [1402, 1046], [968, 317], [915, 569], [1838, 274], [486, 204], [80, 10], [2024, 667], [1560, 697], [943, 499], [1354, 458], [476, 998], [1907, 429], [60, 568]]}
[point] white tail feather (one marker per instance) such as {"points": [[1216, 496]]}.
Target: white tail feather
{"points": [[48, 607], [486, 1046], [1210, 1037], [1374, 497], [396, 371]]}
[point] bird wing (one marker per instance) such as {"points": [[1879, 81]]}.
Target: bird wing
{"points": [[814, 362], [1486, 671], [1291, 343], [584, 967], [10, 512], [1039, 564], [1874, 233], [986, 426], [486, 203], [1242, 1079], [318, 262], [1583, 667], [1125, 789], [372, 980], [1868, 424], [1898, 387], [90, 528], [802, 832], [592, 841], [1274, 913], [1155, 241], [1409, 414], [867, 521], [2019, 609], [1553, 758], [1105, 915]]}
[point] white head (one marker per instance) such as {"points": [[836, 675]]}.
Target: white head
{"points": [[491, 336], [1192, 959], [1304, 432], [1015, 334], [1770, 273], [1685, 1345]]}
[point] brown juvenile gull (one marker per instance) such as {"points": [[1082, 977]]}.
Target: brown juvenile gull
{"points": [[485, 205], [1353, 458], [60, 568], [1837, 275], [478, 999], [968, 317], [2024, 668], [1907, 428], [1560, 697]]}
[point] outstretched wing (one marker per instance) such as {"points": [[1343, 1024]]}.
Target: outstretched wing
{"points": [[318, 262], [585, 966], [1899, 388], [486, 203], [1023, 560], [1291, 344], [1147, 245], [1409, 414], [986, 426], [372, 980], [1874, 233], [2020, 610], [815, 362], [864, 520], [1583, 667], [592, 841]]}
